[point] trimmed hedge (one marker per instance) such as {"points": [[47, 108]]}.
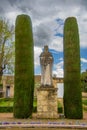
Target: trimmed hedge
{"points": [[60, 110], [1, 88], [10, 109], [6, 109], [72, 84], [24, 67], [35, 109], [6, 99]]}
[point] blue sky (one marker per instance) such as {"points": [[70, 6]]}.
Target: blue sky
{"points": [[48, 18]]}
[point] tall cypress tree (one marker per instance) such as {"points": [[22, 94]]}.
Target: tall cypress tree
{"points": [[72, 87], [24, 67]]}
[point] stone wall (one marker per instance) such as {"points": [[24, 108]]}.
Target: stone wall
{"points": [[8, 80]]}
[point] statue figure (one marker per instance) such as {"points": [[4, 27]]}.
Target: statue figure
{"points": [[46, 61]]}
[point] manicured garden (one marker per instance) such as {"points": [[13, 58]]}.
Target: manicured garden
{"points": [[6, 105]]}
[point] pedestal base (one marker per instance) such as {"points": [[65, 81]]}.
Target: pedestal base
{"points": [[47, 102]]}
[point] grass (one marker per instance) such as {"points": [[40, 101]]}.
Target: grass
{"points": [[35, 102], [59, 104], [84, 102], [6, 105], [6, 102]]}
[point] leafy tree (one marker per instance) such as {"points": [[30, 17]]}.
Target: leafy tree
{"points": [[6, 45], [84, 81], [24, 68], [72, 84]]}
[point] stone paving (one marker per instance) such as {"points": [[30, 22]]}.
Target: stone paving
{"points": [[7, 121], [42, 125]]}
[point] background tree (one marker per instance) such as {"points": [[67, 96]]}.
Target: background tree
{"points": [[84, 81], [6, 45], [72, 84], [24, 67]]}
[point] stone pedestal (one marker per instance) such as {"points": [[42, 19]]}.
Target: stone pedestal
{"points": [[47, 102]]}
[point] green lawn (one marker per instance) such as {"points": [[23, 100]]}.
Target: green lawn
{"points": [[6, 102], [84, 102], [6, 105]]}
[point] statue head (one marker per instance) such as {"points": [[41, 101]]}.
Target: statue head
{"points": [[46, 48]]}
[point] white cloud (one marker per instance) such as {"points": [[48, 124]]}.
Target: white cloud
{"points": [[56, 44], [12, 16], [58, 71], [83, 60], [37, 52]]}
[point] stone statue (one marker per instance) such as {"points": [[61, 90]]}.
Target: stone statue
{"points": [[46, 61]]}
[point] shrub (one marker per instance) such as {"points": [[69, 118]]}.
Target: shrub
{"points": [[35, 109], [10, 109], [60, 110], [6, 109], [1, 89]]}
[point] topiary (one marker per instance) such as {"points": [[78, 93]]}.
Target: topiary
{"points": [[24, 67], [72, 85]]}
